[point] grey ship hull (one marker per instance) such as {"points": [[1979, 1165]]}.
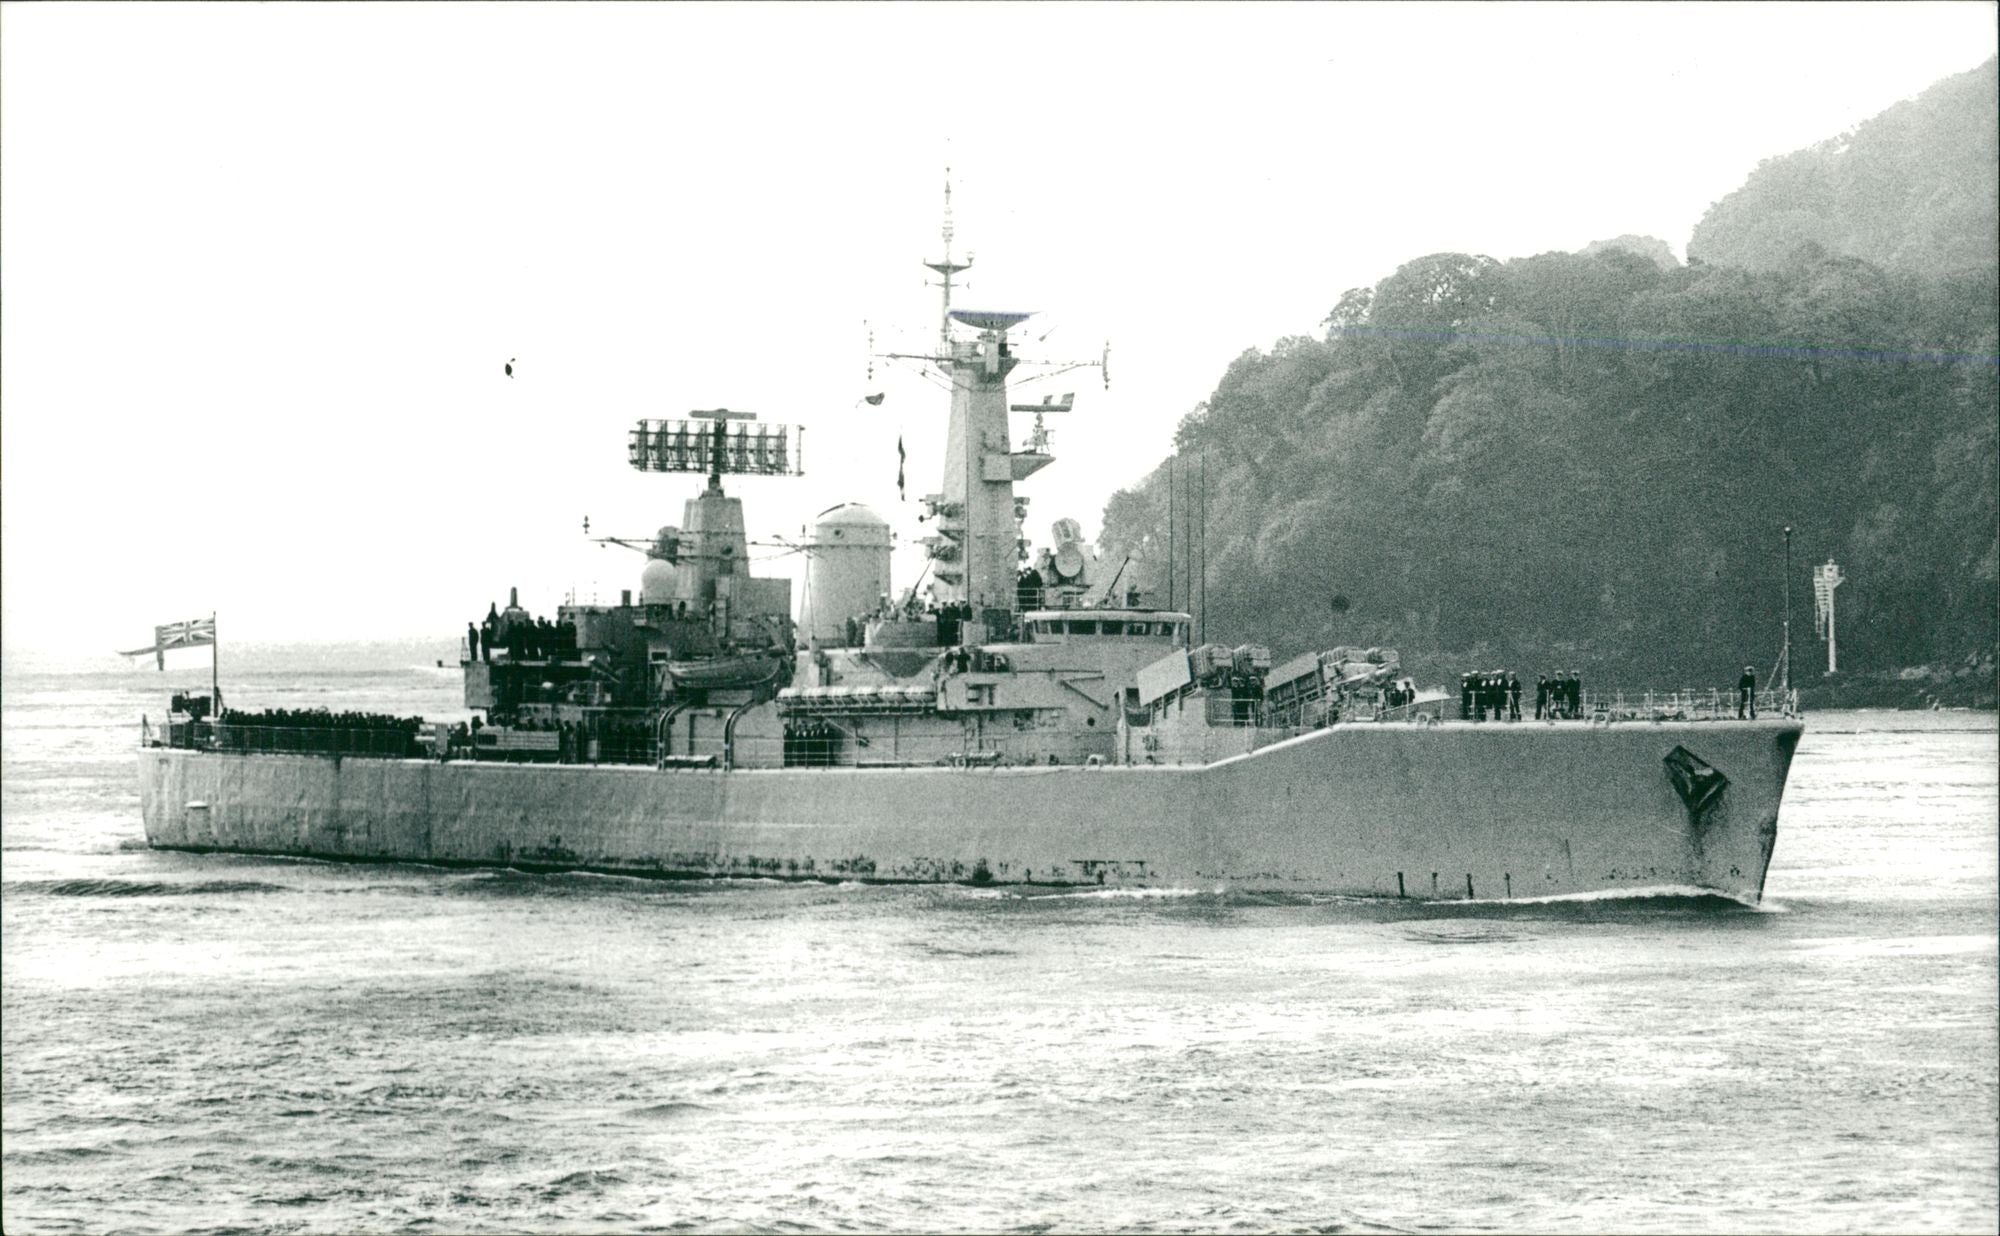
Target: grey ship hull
{"points": [[1457, 810]]}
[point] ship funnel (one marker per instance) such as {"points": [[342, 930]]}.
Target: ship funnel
{"points": [[847, 573]]}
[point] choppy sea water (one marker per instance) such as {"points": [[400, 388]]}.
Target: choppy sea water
{"points": [[218, 1043]]}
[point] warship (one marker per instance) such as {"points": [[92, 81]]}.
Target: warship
{"points": [[1031, 717]]}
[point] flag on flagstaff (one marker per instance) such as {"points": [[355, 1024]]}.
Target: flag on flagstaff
{"points": [[194, 633], [900, 495]]}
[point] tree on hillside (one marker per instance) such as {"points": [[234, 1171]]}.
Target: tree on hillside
{"points": [[1913, 189]]}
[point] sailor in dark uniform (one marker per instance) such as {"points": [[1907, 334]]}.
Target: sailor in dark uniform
{"points": [[1513, 697], [471, 642], [1465, 697], [1541, 695], [1746, 694]]}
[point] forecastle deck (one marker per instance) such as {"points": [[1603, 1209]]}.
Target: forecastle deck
{"points": [[1455, 810]]}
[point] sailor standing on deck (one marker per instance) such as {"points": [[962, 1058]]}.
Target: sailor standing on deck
{"points": [[1746, 694], [1513, 696]]}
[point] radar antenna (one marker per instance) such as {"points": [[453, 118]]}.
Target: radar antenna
{"points": [[717, 441]]}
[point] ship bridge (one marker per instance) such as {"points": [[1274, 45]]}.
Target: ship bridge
{"points": [[1166, 628]]}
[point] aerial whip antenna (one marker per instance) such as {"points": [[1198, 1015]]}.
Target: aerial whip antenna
{"points": [[946, 267]]}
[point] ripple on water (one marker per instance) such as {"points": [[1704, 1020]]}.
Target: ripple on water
{"points": [[141, 888]]}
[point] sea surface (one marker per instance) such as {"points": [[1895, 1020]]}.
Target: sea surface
{"points": [[239, 1044]]}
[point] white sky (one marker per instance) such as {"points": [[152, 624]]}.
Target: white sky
{"points": [[262, 264]]}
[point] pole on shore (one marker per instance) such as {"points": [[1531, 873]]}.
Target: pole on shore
{"points": [[215, 664], [1785, 649]]}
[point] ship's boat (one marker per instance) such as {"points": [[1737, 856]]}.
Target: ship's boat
{"points": [[1056, 724], [748, 671]]}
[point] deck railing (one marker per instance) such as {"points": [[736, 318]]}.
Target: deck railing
{"points": [[1685, 704], [380, 743], [845, 749]]}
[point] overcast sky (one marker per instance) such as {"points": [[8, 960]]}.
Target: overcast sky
{"points": [[263, 265]]}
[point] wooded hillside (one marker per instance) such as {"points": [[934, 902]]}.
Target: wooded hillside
{"points": [[1585, 460], [1911, 190]]}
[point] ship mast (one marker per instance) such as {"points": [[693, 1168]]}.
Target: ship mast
{"points": [[946, 268], [976, 548]]}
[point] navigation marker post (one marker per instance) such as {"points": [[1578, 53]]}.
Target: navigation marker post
{"points": [[1825, 580]]}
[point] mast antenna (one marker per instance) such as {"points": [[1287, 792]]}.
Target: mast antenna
{"points": [[946, 267]]}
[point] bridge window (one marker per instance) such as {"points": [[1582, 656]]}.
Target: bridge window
{"points": [[1114, 627], [1080, 626]]}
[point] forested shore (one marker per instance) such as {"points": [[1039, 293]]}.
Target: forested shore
{"points": [[1586, 460]]}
